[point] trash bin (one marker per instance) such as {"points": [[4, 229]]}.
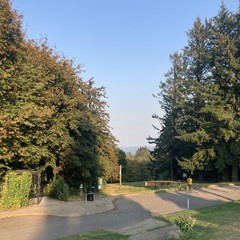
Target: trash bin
{"points": [[90, 194]]}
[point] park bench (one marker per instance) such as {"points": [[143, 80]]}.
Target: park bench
{"points": [[160, 183]]}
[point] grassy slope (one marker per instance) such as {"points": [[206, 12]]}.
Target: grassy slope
{"points": [[217, 222]]}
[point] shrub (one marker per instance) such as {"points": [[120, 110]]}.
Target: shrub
{"points": [[58, 189], [185, 223], [16, 189]]}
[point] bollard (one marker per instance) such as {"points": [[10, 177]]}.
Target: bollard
{"points": [[81, 190]]}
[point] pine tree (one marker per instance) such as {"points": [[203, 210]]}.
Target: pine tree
{"points": [[196, 77], [167, 147], [206, 119], [216, 98]]}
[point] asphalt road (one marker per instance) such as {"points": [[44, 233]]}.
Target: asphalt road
{"points": [[50, 227], [128, 211]]}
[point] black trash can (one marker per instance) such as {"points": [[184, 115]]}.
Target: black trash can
{"points": [[90, 194]]}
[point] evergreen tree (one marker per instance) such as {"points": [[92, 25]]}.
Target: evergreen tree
{"points": [[216, 118], [206, 119], [122, 160], [167, 147], [196, 75]]}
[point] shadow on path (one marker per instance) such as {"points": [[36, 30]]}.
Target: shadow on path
{"points": [[129, 211], [224, 193], [126, 213], [169, 202]]}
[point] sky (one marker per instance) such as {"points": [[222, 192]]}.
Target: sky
{"points": [[124, 45]]}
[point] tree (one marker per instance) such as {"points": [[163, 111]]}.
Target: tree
{"points": [[205, 119], [51, 120], [196, 75], [225, 70], [217, 117], [138, 166], [142, 154], [122, 160], [11, 59], [167, 147]]}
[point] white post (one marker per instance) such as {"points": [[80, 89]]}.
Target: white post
{"points": [[120, 175]]}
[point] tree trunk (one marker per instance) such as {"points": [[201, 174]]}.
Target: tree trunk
{"points": [[201, 177], [171, 166], [225, 175], [235, 174]]}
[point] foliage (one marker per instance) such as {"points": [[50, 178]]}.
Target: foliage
{"points": [[16, 189], [185, 223], [122, 160], [50, 119], [142, 154], [58, 189], [200, 98], [137, 166], [168, 148]]}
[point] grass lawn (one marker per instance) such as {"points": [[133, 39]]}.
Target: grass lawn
{"points": [[97, 235], [139, 188], [217, 222]]}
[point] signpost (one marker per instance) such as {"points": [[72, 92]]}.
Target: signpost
{"points": [[120, 175]]}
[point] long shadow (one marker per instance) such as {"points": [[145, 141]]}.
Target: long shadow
{"points": [[198, 198], [169, 202], [178, 201], [126, 213], [215, 194]]}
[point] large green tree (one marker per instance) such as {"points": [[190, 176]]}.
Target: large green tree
{"points": [[218, 117], [11, 59], [207, 116], [168, 148], [51, 120]]}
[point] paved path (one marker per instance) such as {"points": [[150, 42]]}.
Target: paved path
{"points": [[130, 211]]}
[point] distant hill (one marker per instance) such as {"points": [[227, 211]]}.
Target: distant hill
{"points": [[129, 149], [132, 149]]}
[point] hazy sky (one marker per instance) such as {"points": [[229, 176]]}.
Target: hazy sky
{"points": [[124, 45]]}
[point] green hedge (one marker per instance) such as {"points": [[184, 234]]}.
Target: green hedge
{"points": [[16, 189], [58, 189]]}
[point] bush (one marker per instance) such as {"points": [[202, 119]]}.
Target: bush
{"points": [[16, 189], [185, 223], [58, 189]]}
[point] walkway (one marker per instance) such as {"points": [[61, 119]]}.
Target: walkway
{"points": [[129, 216]]}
